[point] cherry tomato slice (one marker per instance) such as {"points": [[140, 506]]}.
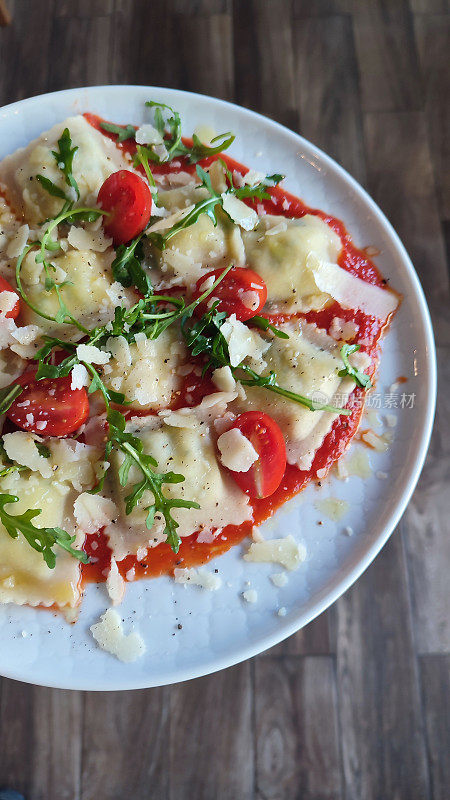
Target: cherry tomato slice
{"points": [[6, 287], [241, 292], [264, 476], [128, 199], [50, 400]]}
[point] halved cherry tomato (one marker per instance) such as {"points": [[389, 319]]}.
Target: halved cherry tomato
{"points": [[241, 292], [50, 400], [129, 202], [264, 476], [6, 287]]}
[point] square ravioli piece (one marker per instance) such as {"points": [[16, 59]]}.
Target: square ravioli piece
{"points": [[307, 363], [146, 371], [189, 451], [298, 260], [25, 578], [95, 159]]}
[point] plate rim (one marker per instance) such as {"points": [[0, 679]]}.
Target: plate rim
{"points": [[352, 573]]}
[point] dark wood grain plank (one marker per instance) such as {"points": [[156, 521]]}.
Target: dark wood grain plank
{"points": [[55, 767], [24, 50], [264, 59], [380, 713], [303, 9], [125, 745], [198, 7], [73, 68], [297, 753], [211, 742], [84, 8], [144, 49], [425, 530], [433, 40], [40, 735], [314, 639], [429, 6], [387, 58], [326, 81], [435, 680], [16, 732], [205, 51], [400, 178]]}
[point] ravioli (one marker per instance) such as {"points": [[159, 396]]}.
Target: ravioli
{"points": [[24, 575], [95, 159], [88, 289], [307, 363], [146, 371], [189, 451], [278, 250]]}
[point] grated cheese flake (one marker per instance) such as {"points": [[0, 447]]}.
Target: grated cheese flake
{"points": [[110, 636], [287, 552]]}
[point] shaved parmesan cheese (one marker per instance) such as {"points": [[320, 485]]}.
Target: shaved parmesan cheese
{"points": [[26, 334], [236, 247], [242, 341], [115, 584], [79, 376], [223, 379], [168, 222], [7, 301], [109, 635], [350, 291], [92, 354], [239, 212], [378, 443], [252, 177], [249, 299], [198, 577], [92, 511], [236, 451], [286, 552], [82, 239], [120, 350], [343, 330], [279, 579], [279, 228], [147, 134], [18, 242], [250, 595], [21, 448]]}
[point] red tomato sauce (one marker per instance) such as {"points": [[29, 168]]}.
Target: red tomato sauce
{"points": [[161, 559]]}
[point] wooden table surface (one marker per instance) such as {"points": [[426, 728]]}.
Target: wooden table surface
{"points": [[356, 705]]}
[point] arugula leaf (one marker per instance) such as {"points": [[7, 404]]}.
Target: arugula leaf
{"points": [[199, 150], [151, 481], [264, 325], [51, 187], [40, 539], [8, 395], [127, 268], [64, 158], [42, 449], [361, 378], [204, 337], [123, 132], [68, 214], [8, 465], [142, 156], [170, 131], [209, 204], [258, 191]]}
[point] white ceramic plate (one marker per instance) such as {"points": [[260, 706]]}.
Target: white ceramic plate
{"points": [[219, 628]]}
